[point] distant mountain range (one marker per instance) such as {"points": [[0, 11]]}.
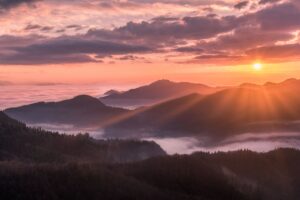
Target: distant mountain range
{"points": [[153, 93], [247, 108], [81, 111], [23, 144], [242, 109]]}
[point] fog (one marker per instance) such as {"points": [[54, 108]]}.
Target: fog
{"points": [[260, 142], [255, 142], [70, 129], [18, 95]]}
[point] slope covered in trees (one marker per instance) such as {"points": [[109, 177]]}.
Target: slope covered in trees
{"points": [[241, 175], [20, 143]]}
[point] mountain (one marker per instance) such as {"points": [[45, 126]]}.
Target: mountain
{"points": [[112, 92], [228, 112], [23, 144], [155, 92], [81, 111]]}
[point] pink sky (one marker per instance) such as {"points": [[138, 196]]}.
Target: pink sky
{"points": [[138, 41]]}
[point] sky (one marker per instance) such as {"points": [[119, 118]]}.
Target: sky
{"points": [[137, 41]]}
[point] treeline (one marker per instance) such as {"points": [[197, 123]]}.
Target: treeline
{"points": [[234, 175], [20, 143], [241, 175]]}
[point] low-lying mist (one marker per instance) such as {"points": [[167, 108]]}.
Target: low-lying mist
{"points": [[260, 142], [255, 142]]}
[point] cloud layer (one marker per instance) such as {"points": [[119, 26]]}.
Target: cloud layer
{"points": [[224, 32]]}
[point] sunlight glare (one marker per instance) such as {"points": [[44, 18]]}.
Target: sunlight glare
{"points": [[257, 66]]}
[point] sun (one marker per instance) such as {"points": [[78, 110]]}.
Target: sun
{"points": [[257, 66]]}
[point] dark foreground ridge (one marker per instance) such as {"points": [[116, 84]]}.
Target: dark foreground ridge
{"points": [[237, 175], [23, 144]]}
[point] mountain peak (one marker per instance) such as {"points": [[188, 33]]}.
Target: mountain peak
{"points": [[85, 98], [112, 92], [82, 100], [287, 82], [291, 81], [162, 81]]}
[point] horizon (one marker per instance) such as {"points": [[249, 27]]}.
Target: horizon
{"points": [[24, 94]]}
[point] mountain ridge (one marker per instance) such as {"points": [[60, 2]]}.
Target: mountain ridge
{"points": [[20, 143], [82, 111], [156, 92], [227, 112]]}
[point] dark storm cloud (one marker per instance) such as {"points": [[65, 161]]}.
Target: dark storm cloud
{"points": [[241, 5]]}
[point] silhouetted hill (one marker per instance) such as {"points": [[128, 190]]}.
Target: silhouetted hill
{"points": [[228, 112], [240, 175], [20, 143], [155, 92], [5, 120], [249, 175], [112, 92], [80, 111]]}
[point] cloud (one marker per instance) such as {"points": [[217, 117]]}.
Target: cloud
{"points": [[276, 52], [245, 38], [27, 58], [189, 49], [34, 27], [8, 41], [261, 2], [204, 37], [8, 4], [279, 17], [169, 32], [241, 5], [67, 50], [61, 46]]}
